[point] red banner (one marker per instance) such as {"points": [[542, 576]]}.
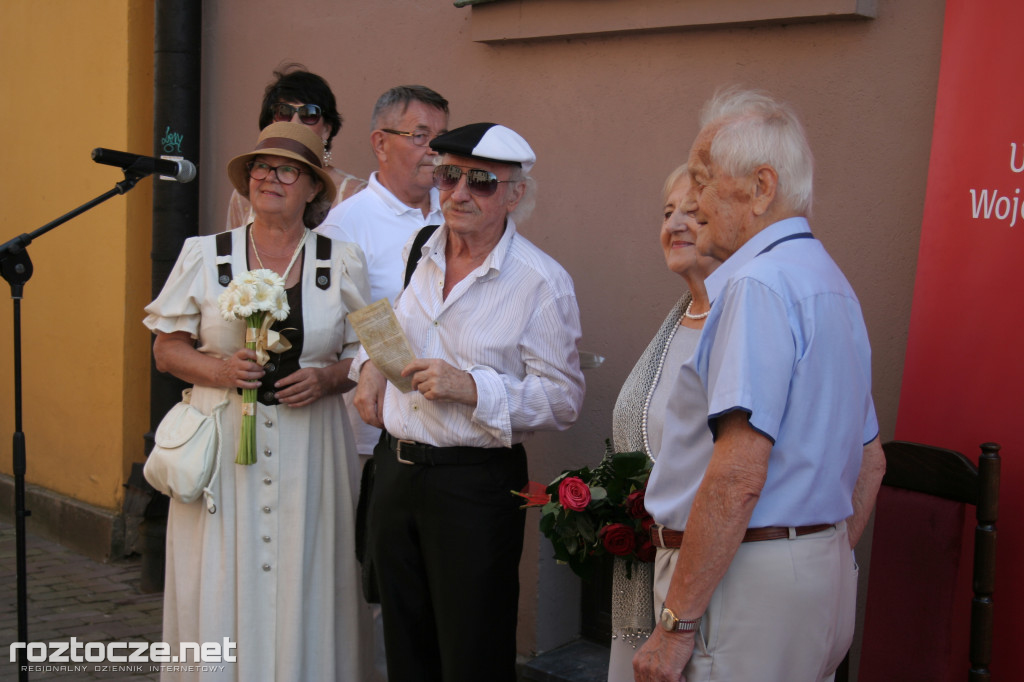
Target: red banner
{"points": [[963, 381]]}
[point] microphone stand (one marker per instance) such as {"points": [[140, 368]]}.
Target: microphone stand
{"points": [[16, 268]]}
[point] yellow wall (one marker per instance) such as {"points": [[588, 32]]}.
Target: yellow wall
{"points": [[77, 75]]}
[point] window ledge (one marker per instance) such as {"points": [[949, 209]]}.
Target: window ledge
{"points": [[511, 20]]}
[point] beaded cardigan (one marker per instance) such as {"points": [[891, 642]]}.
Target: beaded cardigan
{"points": [[629, 415], [632, 607]]}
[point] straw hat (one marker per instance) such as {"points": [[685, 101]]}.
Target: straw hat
{"points": [[292, 141]]}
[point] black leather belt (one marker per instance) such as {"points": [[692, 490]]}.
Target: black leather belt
{"points": [[412, 452]]}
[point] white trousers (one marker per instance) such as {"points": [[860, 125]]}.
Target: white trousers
{"points": [[784, 612]]}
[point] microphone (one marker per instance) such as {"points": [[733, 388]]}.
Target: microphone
{"points": [[182, 171]]}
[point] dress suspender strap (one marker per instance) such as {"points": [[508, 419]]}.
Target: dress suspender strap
{"points": [[414, 253], [323, 261], [224, 258]]}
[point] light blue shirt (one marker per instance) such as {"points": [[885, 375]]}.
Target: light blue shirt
{"points": [[785, 342]]}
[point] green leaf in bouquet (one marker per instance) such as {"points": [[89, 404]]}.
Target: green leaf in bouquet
{"points": [[566, 529], [581, 566], [547, 524], [572, 544], [597, 494], [585, 526], [616, 490], [629, 464], [558, 479], [583, 474], [550, 509], [561, 555], [637, 482]]}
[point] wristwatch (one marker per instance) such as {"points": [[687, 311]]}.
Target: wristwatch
{"points": [[668, 621]]}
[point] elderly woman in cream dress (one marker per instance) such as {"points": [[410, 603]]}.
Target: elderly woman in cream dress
{"points": [[273, 570]]}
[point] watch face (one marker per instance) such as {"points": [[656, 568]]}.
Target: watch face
{"points": [[668, 619]]}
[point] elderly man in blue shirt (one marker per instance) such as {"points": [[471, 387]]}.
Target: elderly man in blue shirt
{"points": [[770, 461]]}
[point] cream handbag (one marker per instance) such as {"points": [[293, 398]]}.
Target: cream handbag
{"points": [[185, 460]]}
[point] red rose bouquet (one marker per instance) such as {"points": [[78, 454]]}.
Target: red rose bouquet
{"points": [[592, 513]]}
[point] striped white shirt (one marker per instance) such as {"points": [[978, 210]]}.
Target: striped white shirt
{"points": [[383, 226], [513, 324]]}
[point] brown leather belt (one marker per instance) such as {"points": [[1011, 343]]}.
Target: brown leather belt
{"points": [[672, 539]]}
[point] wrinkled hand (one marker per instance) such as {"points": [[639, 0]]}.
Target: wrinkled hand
{"points": [[303, 387], [241, 370], [437, 380], [663, 657], [369, 395]]}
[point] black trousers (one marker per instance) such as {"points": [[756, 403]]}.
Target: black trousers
{"points": [[447, 541]]}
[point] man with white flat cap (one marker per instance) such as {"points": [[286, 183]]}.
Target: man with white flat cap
{"points": [[494, 324]]}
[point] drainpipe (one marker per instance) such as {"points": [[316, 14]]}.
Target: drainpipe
{"points": [[176, 76]]}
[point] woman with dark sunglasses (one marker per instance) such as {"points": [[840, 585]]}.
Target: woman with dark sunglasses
{"points": [[300, 96]]}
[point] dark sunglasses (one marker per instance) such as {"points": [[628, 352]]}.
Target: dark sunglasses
{"points": [[478, 181], [309, 114]]}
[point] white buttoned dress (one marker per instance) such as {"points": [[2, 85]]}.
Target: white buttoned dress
{"points": [[274, 569]]}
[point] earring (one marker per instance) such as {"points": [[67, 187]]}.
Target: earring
{"points": [[327, 155]]}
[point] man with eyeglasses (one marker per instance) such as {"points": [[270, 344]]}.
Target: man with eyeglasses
{"points": [[494, 324], [400, 199]]}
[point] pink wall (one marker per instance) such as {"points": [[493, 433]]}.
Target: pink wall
{"points": [[609, 117]]}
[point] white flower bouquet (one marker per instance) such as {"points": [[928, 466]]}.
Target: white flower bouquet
{"points": [[259, 298]]}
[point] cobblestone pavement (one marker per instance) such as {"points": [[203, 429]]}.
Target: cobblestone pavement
{"points": [[69, 596]]}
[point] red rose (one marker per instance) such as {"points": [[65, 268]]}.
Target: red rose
{"points": [[618, 539], [635, 504], [574, 494], [646, 551], [646, 524]]}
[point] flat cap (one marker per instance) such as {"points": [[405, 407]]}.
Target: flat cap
{"points": [[487, 141]]}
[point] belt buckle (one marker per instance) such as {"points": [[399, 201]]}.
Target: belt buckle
{"points": [[398, 451]]}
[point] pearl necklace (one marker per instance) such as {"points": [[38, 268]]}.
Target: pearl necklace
{"points": [[295, 254], [657, 376], [654, 385], [687, 315]]}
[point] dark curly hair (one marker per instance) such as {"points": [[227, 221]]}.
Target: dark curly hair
{"points": [[293, 82]]}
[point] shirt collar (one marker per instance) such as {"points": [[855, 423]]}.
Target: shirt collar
{"points": [[398, 206], [495, 259], [716, 280], [492, 264]]}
